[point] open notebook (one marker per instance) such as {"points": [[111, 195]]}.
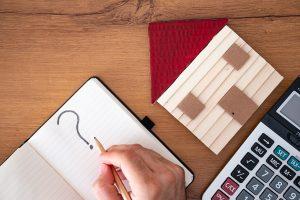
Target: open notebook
{"points": [[57, 162]]}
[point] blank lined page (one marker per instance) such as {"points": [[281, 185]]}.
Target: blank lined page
{"points": [[101, 115], [25, 175]]}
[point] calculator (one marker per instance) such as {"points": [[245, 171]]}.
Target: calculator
{"points": [[267, 165]]}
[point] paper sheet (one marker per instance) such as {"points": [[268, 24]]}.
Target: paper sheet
{"points": [[25, 175]]}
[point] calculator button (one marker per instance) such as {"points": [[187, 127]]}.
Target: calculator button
{"points": [[249, 161], [294, 163], [244, 195], [264, 173], [239, 173], [278, 184], [268, 195], [229, 186], [266, 140], [274, 162], [281, 153], [258, 149], [255, 186], [291, 194], [297, 182], [287, 172], [219, 195]]}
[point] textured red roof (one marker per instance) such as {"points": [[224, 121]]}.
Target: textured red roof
{"points": [[174, 45]]}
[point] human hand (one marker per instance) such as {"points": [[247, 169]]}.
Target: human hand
{"points": [[150, 176]]}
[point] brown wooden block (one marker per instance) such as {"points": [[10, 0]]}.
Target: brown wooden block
{"points": [[236, 56], [238, 105], [191, 106]]}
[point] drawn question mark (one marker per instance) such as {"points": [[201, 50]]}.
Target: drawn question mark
{"points": [[77, 126]]}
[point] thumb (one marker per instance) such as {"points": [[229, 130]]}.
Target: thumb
{"points": [[104, 186]]}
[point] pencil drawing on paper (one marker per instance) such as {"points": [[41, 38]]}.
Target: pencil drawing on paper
{"points": [[77, 125]]}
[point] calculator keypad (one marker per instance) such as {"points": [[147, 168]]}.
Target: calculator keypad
{"points": [[287, 172], [278, 184], [244, 195], [294, 163], [297, 182], [258, 149], [239, 173], [255, 186], [281, 153], [249, 161], [268, 195], [266, 140], [268, 180], [229, 186], [292, 194], [274, 162], [264, 173], [219, 195]]}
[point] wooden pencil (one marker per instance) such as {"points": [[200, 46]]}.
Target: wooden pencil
{"points": [[118, 180]]}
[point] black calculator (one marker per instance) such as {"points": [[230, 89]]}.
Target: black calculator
{"points": [[267, 165]]}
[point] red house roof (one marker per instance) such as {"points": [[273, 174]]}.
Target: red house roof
{"points": [[174, 45]]}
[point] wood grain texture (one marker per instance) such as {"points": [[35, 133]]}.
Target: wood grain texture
{"points": [[140, 11], [49, 48]]}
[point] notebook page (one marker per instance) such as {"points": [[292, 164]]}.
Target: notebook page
{"points": [[25, 175], [101, 115]]}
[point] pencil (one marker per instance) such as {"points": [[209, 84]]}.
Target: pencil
{"points": [[118, 180]]}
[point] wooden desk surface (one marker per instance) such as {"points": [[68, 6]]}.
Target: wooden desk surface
{"points": [[49, 48]]}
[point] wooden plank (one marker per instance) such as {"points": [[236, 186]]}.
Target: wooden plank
{"points": [[208, 122], [251, 73], [209, 77], [204, 83], [212, 73], [177, 113], [227, 84], [243, 82], [218, 80], [209, 137], [205, 66], [215, 84], [228, 8], [184, 119], [216, 129], [216, 41], [136, 12], [259, 80], [221, 76], [227, 134], [265, 90]]}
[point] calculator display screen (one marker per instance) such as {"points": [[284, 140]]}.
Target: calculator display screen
{"points": [[290, 109]]}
